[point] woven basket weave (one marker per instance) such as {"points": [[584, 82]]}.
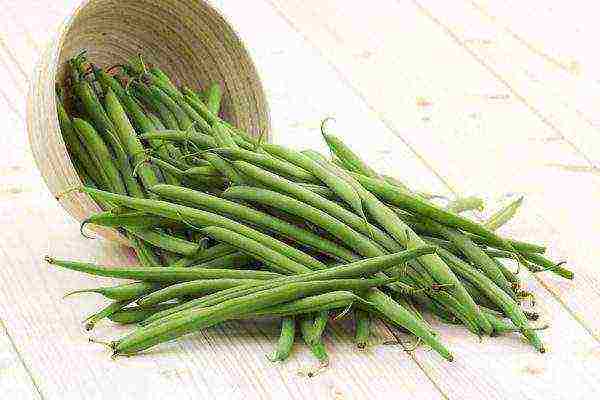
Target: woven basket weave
{"points": [[189, 40]]}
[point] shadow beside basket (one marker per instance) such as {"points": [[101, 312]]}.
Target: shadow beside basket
{"points": [[189, 40]]}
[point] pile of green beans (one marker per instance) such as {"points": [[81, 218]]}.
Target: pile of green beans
{"points": [[226, 227]]}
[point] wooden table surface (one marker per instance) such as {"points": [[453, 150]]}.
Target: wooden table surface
{"points": [[492, 98]]}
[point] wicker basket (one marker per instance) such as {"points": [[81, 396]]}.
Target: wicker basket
{"points": [[189, 39]]}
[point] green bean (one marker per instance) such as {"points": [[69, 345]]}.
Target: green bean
{"points": [[212, 253], [192, 288], [121, 292], [201, 218], [286, 340], [132, 315], [350, 159], [363, 328], [465, 204], [201, 200], [548, 265], [165, 241], [364, 267], [135, 219], [207, 170], [144, 252], [496, 295], [203, 110], [143, 93], [167, 274], [510, 276], [93, 109], [220, 132], [199, 318], [116, 306], [186, 91], [225, 168], [345, 191], [237, 260], [198, 122], [503, 215], [276, 261], [201, 140], [401, 317], [280, 184], [316, 347], [78, 151], [132, 145], [320, 303], [320, 190], [267, 161], [319, 325], [213, 98], [354, 240], [183, 121], [164, 82], [100, 154]]}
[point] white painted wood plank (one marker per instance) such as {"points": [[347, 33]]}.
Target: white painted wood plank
{"points": [[15, 381], [455, 114]]}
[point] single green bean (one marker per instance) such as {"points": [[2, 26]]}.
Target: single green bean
{"points": [[201, 140], [127, 291], [503, 215], [286, 340], [135, 219], [167, 274], [212, 253], [132, 315], [362, 322], [349, 158], [192, 288], [316, 347], [213, 98], [165, 241], [463, 204]]}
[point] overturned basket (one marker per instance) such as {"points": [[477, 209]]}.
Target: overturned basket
{"points": [[189, 39]]}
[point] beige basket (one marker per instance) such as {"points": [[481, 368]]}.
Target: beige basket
{"points": [[189, 39]]}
